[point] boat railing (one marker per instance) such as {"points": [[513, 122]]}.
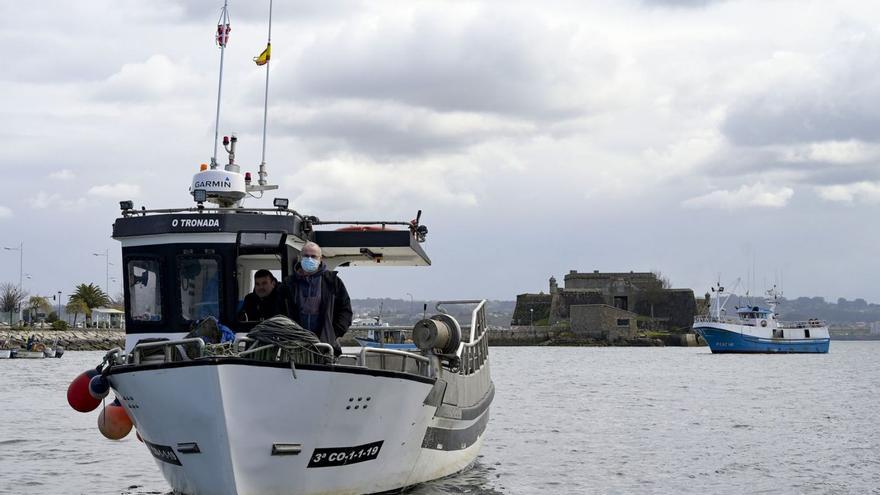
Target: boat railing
{"points": [[721, 319], [394, 360], [803, 324], [171, 350], [167, 351], [474, 351], [206, 209]]}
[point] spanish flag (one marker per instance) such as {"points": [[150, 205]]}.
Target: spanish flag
{"points": [[263, 58]]}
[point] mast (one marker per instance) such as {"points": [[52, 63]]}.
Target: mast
{"points": [[262, 172], [223, 29]]}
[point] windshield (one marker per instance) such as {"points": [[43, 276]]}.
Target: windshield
{"points": [[199, 288], [144, 290]]}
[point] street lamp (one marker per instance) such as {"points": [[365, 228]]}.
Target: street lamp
{"points": [[106, 255], [410, 303], [20, 250], [59, 305]]}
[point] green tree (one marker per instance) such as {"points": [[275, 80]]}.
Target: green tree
{"points": [[90, 296], [11, 297], [37, 304], [76, 307]]}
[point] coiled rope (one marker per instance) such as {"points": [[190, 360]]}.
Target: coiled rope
{"points": [[289, 336]]}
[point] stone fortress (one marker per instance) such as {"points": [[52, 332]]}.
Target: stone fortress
{"points": [[608, 306]]}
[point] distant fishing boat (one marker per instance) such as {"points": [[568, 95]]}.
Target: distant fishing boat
{"points": [[383, 335], [755, 329]]}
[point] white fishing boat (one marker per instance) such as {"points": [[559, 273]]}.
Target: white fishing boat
{"points": [[275, 412], [756, 329]]}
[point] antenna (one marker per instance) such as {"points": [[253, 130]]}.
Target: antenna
{"points": [[223, 29]]}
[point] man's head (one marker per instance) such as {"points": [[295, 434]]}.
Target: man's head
{"points": [[264, 283], [310, 257]]}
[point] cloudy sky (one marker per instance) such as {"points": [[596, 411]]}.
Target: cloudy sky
{"points": [[690, 137]]}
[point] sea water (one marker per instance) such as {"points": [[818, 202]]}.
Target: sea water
{"points": [[565, 420]]}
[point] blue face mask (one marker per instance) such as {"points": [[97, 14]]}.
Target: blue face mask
{"points": [[309, 264]]}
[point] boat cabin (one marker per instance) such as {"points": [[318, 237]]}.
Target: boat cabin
{"points": [[180, 266], [755, 315]]}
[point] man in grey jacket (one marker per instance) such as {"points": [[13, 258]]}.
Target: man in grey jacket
{"points": [[319, 301]]}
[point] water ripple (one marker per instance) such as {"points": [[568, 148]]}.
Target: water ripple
{"points": [[565, 421]]}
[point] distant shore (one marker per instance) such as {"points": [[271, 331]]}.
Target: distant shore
{"points": [[88, 339], [80, 339]]}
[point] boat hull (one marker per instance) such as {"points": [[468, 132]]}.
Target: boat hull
{"points": [[342, 430], [22, 354], [5, 353], [723, 340]]}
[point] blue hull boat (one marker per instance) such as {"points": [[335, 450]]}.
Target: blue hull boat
{"points": [[725, 341]]}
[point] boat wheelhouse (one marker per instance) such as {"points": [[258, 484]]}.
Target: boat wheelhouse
{"points": [[183, 265]]}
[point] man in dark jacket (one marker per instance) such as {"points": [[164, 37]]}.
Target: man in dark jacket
{"points": [[319, 301], [268, 299]]}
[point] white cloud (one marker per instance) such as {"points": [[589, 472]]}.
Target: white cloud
{"points": [[115, 191], [347, 184], [44, 200], [63, 175], [863, 192], [837, 152], [156, 77], [5, 212], [755, 196]]}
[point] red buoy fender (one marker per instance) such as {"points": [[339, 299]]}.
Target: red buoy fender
{"points": [[114, 423], [78, 395]]}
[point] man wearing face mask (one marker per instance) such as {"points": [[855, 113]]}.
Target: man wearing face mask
{"points": [[319, 300]]}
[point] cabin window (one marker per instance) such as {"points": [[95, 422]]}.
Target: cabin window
{"points": [[806, 333], [623, 322], [199, 287], [248, 265], [144, 290]]}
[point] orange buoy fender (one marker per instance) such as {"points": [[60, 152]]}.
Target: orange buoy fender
{"points": [[78, 395], [114, 422]]}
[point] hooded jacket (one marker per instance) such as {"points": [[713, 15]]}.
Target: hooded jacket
{"points": [[335, 310]]}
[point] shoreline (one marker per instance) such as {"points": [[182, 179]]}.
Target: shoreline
{"points": [[88, 339], [80, 339]]}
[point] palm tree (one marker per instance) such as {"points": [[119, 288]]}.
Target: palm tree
{"points": [[76, 307], [91, 296]]}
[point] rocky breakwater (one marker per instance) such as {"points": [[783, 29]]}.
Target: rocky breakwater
{"points": [[81, 339]]}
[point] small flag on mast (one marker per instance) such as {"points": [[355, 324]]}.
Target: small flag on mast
{"points": [[223, 34], [264, 57]]}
